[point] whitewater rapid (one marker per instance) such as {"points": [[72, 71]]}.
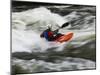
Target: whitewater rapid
{"points": [[27, 27], [25, 38]]}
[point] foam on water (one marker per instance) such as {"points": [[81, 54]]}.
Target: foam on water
{"points": [[29, 40], [26, 29]]}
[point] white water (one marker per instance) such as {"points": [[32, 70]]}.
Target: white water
{"points": [[29, 40], [28, 25]]}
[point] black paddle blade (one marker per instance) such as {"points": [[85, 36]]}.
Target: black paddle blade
{"points": [[65, 24]]}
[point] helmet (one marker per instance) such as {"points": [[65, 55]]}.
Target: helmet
{"points": [[49, 26]]}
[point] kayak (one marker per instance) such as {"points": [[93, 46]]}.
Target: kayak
{"points": [[65, 37]]}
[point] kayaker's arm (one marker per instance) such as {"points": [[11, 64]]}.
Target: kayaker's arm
{"points": [[56, 31]]}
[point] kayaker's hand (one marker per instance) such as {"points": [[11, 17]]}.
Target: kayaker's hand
{"points": [[56, 31]]}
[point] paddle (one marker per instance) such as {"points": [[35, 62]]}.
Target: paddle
{"points": [[64, 25]]}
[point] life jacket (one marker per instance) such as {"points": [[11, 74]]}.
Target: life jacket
{"points": [[48, 34]]}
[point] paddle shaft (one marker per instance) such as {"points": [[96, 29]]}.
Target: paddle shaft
{"points": [[64, 25]]}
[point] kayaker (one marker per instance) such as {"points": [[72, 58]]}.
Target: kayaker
{"points": [[50, 35]]}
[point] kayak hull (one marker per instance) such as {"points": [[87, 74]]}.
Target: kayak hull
{"points": [[65, 37]]}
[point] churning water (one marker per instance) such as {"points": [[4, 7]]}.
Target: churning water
{"points": [[33, 54]]}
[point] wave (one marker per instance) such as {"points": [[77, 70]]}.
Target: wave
{"points": [[27, 44]]}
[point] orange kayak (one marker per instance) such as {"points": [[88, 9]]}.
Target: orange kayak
{"points": [[65, 37]]}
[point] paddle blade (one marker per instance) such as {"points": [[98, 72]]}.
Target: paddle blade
{"points": [[65, 24]]}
